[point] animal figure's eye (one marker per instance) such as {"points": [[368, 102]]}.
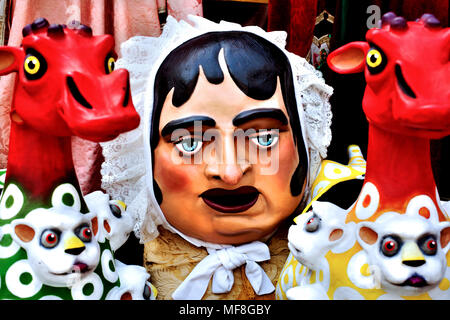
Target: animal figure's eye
{"points": [[313, 224], [110, 64], [49, 239], [147, 292], [85, 233], [428, 245], [390, 246], [376, 60], [117, 207], [34, 65], [115, 210]]}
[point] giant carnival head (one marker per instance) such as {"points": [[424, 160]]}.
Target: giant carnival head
{"points": [[230, 162], [224, 123]]}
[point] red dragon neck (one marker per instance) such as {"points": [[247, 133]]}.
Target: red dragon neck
{"points": [[400, 167], [39, 162]]}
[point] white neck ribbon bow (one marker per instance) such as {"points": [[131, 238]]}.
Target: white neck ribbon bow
{"points": [[219, 265]]}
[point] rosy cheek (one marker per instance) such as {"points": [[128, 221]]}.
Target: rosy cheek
{"points": [[288, 160], [169, 175]]}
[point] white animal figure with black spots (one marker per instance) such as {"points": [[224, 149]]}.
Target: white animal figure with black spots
{"points": [[136, 285], [112, 221]]}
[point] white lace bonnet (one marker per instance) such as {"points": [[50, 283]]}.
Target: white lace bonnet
{"points": [[127, 171]]}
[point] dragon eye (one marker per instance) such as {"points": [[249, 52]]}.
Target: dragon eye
{"points": [[110, 64], [390, 246], [313, 224], [85, 234], [49, 239], [428, 245], [34, 65], [376, 60]]}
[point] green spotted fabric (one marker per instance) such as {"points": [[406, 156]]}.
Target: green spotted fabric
{"points": [[17, 278]]}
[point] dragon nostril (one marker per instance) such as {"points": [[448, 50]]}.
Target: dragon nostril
{"points": [[76, 93], [402, 82], [127, 94]]}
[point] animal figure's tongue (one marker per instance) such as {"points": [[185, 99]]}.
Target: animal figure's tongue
{"points": [[416, 281], [80, 267]]}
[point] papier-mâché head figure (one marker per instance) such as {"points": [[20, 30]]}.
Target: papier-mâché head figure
{"points": [[230, 163], [233, 129]]}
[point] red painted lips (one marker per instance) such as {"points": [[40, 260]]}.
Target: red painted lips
{"points": [[231, 201]]}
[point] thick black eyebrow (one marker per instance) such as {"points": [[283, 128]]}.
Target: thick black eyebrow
{"points": [[185, 123], [253, 114]]}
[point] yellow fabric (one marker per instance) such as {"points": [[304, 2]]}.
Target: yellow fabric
{"points": [[331, 173]]}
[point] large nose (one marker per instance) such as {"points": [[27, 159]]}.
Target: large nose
{"points": [[227, 165], [411, 255], [74, 246]]}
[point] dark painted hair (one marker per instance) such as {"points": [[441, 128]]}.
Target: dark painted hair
{"points": [[254, 64]]}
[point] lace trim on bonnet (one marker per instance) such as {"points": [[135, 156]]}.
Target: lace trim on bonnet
{"points": [[126, 172]]}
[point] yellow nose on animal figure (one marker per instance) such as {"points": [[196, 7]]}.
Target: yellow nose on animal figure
{"points": [[74, 246], [411, 255]]}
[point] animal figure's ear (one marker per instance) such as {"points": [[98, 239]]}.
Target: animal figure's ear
{"points": [[94, 223], [445, 236], [23, 233], [350, 58], [366, 234], [10, 59], [336, 234]]}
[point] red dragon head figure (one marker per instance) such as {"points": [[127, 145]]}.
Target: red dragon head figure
{"points": [[407, 71], [66, 83]]}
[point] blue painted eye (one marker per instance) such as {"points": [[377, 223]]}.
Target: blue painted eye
{"points": [[189, 145], [266, 139]]}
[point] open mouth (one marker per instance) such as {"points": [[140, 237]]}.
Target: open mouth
{"points": [[231, 201], [78, 267], [416, 281]]}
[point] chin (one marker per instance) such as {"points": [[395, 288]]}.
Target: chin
{"points": [[242, 236]]}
